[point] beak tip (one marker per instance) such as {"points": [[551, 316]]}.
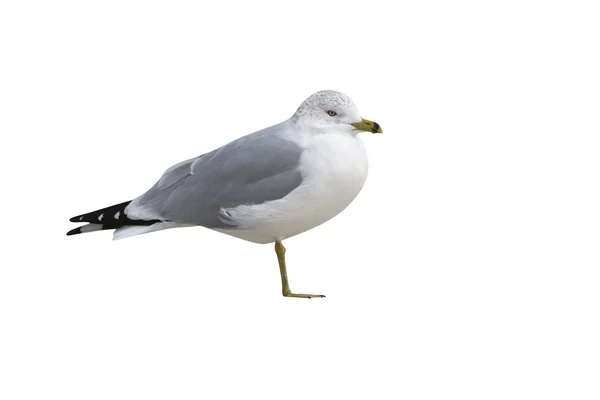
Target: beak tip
{"points": [[376, 128], [367, 126]]}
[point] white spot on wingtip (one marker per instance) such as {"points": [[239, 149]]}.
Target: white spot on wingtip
{"points": [[117, 214], [100, 217], [80, 218]]}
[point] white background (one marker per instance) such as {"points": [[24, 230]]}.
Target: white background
{"points": [[468, 267]]}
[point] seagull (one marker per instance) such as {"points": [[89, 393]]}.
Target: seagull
{"points": [[264, 187]]}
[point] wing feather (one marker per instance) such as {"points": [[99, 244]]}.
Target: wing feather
{"points": [[254, 169]]}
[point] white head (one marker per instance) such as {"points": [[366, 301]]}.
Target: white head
{"points": [[329, 110]]}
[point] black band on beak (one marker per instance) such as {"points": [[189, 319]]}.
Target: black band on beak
{"points": [[375, 127]]}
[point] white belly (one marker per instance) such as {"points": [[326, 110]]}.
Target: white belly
{"points": [[334, 169]]}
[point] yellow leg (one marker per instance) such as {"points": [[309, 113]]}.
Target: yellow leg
{"points": [[285, 286]]}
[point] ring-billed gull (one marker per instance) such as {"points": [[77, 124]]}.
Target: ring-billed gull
{"points": [[264, 187]]}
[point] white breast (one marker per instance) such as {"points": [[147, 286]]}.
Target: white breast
{"points": [[334, 168]]}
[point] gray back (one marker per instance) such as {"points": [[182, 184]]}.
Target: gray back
{"points": [[254, 169]]}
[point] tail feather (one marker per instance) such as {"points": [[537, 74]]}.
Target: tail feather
{"points": [[112, 217], [128, 231]]}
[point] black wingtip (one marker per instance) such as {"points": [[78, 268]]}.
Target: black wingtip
{"points": [[104, 215], [74, 231], [112, 217]]}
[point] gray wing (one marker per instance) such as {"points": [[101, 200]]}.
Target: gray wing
{"points": [[254, 169]]}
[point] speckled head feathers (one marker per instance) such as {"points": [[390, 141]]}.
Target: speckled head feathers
{"points": [[319, 109]]}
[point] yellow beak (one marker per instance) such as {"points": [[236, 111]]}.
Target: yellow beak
{"points": [[368, 126]]}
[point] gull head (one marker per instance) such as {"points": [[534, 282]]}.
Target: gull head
{"points": [[329, 111]]}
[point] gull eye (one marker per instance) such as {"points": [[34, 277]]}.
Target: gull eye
{"points": [[332, 113]]}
